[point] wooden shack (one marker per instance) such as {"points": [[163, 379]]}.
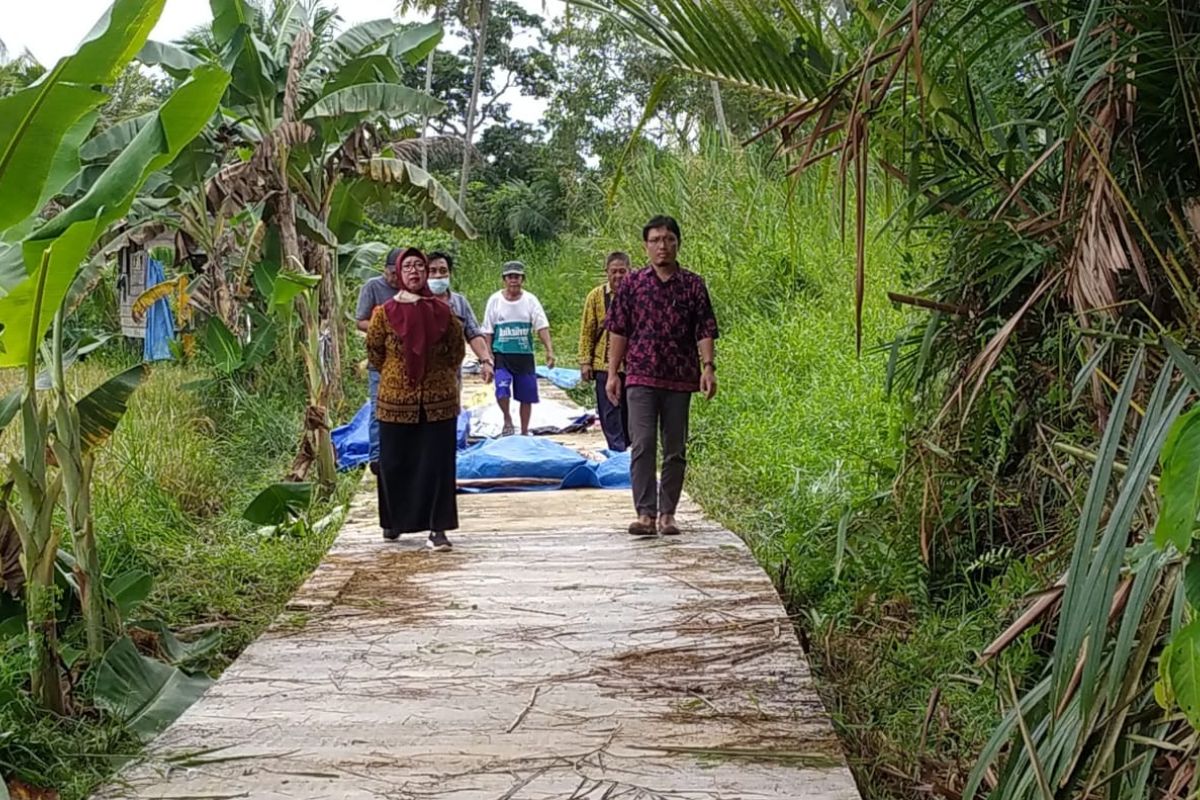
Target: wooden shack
{"points": [[131, 257]]}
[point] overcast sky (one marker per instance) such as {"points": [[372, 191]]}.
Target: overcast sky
{"points": [[50, 29]]}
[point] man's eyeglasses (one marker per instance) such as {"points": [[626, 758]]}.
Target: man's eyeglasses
{"points": [[662, 241]]}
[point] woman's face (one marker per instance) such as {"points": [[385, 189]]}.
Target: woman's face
{"points": [[413, 273]]}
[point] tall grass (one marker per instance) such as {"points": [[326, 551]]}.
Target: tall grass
{"points": [[169, 491], [801, 448]]}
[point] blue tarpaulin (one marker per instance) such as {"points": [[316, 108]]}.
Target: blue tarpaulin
{"points": [[352, 441], [613, 473], [506, 457], [160, 322], [535, 457], [561, 377], [518, 457]]}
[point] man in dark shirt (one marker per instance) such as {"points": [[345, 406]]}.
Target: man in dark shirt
{"points": [[376, 292], [662, 326]]}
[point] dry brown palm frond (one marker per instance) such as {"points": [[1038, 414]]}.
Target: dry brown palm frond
{"points": [[1104, 247], [291, 92], [360, 145], [236, 186], [983, 363], [442, 151], [285, 134]]}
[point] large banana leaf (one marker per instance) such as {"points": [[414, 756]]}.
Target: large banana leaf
{"points": [[1179, 487], [374, 68], [36, 122], [222, 346], [379, 98], [102, 408], [145, 694], [115, 139], [358, 40], [174, 60], [287, 286], [357, 259], [228, 16], [62, 257], [41, 130], [10, 404], [171, 649], [414, 44], [418, 186], [179, 120], [263, 335], [278, 503], [312, 227]]}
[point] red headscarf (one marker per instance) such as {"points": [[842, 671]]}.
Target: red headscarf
{"points": [[419, 325]]}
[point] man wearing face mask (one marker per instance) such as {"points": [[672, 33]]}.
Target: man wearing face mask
{"points": [[441, 265]]}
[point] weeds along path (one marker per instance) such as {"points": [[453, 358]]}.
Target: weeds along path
{"points": [[548, 656]]}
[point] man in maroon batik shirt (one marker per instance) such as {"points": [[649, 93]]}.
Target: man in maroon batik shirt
{"points": [[662, 326]]}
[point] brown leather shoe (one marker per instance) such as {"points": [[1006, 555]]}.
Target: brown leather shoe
{"points": [[639, 528], [670, 530]]}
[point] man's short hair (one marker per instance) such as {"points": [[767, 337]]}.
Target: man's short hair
{"points": [[436, 254], [617, 255], [392, 262], [662, 221]]}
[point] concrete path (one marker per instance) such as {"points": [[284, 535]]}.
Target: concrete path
{"points": [[549, 656]]}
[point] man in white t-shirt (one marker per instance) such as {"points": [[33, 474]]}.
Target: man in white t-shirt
{"points": [[510, 320]]}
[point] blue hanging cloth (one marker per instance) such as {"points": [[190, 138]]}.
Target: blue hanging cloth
{"points": [[160, 322]]}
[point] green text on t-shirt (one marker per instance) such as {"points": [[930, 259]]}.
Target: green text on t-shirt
{"points": [[513, 338]]}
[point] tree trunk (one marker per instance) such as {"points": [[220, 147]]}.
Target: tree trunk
{"points": [[41, 605], [330, 321], [222, 296], [485, 11], [719, 107], [77, 497], [425, 120]]}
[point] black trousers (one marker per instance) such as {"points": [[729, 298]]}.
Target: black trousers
{"points": [[417, 480], [653, 412], [614, 420]]}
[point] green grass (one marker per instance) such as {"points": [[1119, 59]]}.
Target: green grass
{"points": [[801, 435], [169, 492]]}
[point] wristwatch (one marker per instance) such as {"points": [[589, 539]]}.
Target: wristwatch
{"points": [[488, 361], [712, 364]]}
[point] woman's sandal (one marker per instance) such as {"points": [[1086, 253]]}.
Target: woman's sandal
{"points": [[639, 528]]}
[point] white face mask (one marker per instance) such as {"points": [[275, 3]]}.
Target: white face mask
{"points": [[439, 285]]}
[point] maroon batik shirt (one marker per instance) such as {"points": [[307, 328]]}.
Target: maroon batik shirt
{"points": [[663, 321]]}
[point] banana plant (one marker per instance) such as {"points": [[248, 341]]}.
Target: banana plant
{"points": [[42, 129], [292, 294], [306, 110], [79, 428], [35, 528]]}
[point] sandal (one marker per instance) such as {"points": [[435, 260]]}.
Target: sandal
{"points": [[508, 430], [639, 528]]}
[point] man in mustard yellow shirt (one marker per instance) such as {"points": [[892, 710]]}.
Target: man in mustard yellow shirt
{"points": [[593, 351]]}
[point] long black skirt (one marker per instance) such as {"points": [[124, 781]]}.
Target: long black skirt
{"points": [[417, 476]]}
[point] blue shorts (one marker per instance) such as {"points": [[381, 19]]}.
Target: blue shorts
{"points": [[521, 386]]}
